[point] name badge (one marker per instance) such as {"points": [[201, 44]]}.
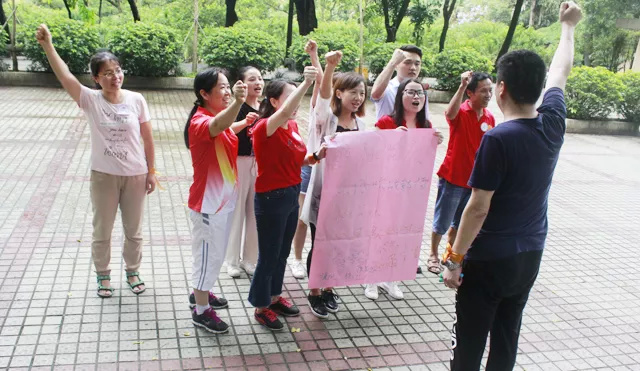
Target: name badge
{"points": [[484, 127]]}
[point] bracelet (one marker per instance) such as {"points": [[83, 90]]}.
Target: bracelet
{"points": [[152, 170], [312, 159], [449, 255], [315, 156]]}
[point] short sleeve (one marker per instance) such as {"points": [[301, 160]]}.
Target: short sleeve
{"points": [[490, 165], [86, 97], [199, 128], [259, 129], [386, 122], [143, 115], [553, 104]]}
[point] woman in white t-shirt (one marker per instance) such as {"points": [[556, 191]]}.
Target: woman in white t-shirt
{"points": [[122, 168]]}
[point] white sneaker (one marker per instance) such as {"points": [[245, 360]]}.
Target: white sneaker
{"points": [[371, 291], [392, 289], [250, 268], [298, 269], [234, 271]]}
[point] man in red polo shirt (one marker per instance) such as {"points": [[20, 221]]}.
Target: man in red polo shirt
{"points": [[468, 122]]}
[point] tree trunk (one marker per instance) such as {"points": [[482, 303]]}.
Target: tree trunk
{"points": [[586, 50], [307, 21], [512, 30], [231, 15], [134, 10], [447, 11], [100, 12], [533, 13], [392, 21], [3, 20], [289, 28], [66, 5]]}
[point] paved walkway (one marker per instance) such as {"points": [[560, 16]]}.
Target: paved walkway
{"points": [[583, 313]]}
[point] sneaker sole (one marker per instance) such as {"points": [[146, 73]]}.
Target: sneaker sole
{"points": [[191, 306], [270, 328], [208, 329], [333, 311], [318, 314], [286, 315]]}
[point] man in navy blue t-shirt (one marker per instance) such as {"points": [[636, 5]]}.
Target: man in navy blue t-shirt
{"points": [[504, 225]]}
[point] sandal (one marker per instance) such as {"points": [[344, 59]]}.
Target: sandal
{"points": [[104, 288], [433, 266], [133, 285]]}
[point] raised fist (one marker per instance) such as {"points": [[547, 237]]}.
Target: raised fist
{"points": [[311, 47], [397, 57], [465, 78], [310, 74], [43, 35], [240, 91], [570, 13], [251, 118], [333, 57]]}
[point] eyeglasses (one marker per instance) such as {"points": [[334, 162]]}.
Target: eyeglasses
{"points": [[415, 93], [111, 74]]}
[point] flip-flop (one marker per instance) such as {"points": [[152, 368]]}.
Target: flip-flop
{"points": [[104, 288], [133, 285]]}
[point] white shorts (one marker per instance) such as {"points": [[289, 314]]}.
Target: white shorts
{"points": [[209, 246]]}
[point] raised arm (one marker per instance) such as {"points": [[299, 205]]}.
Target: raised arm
{"points": [[238, 126], [332, 59], [292, 102], [454, 106], [384, 77], [66, 78], [570, 15], [225, 118], [312, 49]]}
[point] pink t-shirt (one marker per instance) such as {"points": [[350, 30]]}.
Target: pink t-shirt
{"points": [[215, 172], [115, 132]]}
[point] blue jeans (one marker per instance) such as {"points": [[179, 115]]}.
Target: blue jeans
{"points": [[305, 174], [450, 204], [276, 219]]}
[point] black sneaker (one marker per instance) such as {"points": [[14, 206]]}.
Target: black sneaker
{"points": [[285, 308], [330, 301], [209, 321], [317, 306], [269, 319], [214, 301], [419, 270]]}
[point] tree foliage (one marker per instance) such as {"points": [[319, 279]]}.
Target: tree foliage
{"points": [[592, 92], [422, 14], [393, 12]]}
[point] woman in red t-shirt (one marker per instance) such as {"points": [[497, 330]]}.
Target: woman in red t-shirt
{"points": [[280, 153], [212, 196], [408, 113]]}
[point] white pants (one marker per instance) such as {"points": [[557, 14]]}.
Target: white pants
{"points": [[209, 244], [244, 216]]}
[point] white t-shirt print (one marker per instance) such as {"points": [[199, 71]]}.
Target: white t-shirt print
{"points": [[115, 132]]}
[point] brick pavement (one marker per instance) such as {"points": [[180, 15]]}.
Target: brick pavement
{"points": [[583, 313]]}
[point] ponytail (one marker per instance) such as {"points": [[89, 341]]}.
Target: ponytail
{"points": [[196, 104], [273, 90]]}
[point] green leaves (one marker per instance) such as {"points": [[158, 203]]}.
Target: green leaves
{"points": [[75, 42], [146, 49], [234, 47], [450, 64], [592, 93], [629, 105]]}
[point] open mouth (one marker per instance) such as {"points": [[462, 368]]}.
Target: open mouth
{"points": [[416, 104]]}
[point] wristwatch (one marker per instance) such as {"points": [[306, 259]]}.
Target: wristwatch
{"points": [[451, 260]]}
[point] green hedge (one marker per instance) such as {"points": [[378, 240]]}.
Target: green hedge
{"points": [[450, 64], [233, 48], [592, 93], [75, 42], [328, 38], [146, 49], [630, 104]]}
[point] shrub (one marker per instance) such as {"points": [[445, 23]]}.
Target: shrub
{"points": [[592, 92], [75, 42], [329, 37], [146, 49], [235, 47], [450, 64], [630, 104], [3, 50]]}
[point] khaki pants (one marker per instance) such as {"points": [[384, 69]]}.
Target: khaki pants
{"points": [[107, 192], [244, 217]]}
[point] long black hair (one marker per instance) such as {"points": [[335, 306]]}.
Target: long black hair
{"points": [[273, 90], [205, 80], [398, 108]]}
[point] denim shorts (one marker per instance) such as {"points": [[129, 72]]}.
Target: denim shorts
{"points": [[306, 176], [450, 204]]}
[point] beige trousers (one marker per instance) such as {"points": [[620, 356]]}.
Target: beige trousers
{"points": [[107, 192], [244, 216]]}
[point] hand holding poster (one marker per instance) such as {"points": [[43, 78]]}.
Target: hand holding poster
{"points": [[372, 210]]}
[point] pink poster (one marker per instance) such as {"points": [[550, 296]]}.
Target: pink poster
{"points": [[372, 209]]}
